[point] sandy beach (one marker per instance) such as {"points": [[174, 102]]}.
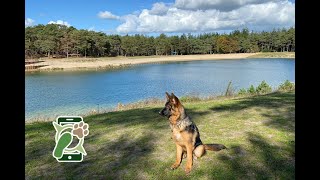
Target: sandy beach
{"points": [[113, 62]]}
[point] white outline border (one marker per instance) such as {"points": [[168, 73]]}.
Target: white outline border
{"points": [[69, 123]]}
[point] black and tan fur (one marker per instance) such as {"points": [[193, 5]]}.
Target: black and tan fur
{"points": [[185, 133]]}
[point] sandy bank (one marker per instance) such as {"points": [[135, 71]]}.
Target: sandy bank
{"points": [[110, 62]]}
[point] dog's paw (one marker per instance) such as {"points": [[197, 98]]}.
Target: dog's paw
{"points": [[187, 171], [174, 166]]}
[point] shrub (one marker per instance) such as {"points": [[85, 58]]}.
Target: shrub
{"points": [[251, 90], [287, 86], [263, 88], [242, 91]]}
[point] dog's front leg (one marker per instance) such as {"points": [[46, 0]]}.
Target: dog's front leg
{"points": [[178, 158], [189, 158]]}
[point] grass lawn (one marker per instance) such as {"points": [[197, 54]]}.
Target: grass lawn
{"points": [[259, 132]]}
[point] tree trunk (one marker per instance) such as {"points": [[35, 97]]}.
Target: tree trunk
{"points": [[85, 53], [67, 50]]}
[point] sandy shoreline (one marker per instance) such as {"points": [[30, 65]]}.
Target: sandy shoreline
{"points": [[108, 62]]}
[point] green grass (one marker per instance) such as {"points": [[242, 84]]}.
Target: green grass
{"points": [[259, 132], [274, 55]]}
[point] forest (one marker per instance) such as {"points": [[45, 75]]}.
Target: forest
{"points": [[60, 41]]}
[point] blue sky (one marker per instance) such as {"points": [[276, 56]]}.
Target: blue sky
{"points": [[166, 16], [82, 14]]}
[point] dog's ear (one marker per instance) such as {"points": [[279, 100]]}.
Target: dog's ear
{"points": [[167, 96], [175, 100]]}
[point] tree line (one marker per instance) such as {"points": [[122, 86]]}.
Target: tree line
{"points": [[55, 40]]}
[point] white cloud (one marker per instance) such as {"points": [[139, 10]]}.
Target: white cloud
{"points": [[222, 5], [28, 22], [159, 8], [173, 19], [107, 15], [130, 24], [60, 22]]}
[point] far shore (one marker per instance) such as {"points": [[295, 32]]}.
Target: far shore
{"points": [[82, 63]]}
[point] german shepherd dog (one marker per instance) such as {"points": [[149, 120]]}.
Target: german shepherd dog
{"points": [[185, 133]]}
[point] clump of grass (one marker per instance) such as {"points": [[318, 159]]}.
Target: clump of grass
{"points": [[242, 91], [139, 104], [39, 119], [263, 88], [246, 92], [190, 98], [229, 91], [251, 89], [287, 86]]}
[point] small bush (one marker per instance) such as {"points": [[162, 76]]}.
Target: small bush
{"points": [[242, 91], [263, 88], [251, 90], [287, 86]]}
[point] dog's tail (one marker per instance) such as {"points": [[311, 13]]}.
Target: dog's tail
{"points": [[214, 147]]}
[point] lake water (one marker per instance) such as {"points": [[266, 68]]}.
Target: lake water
{"points": [[49, 94]]}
